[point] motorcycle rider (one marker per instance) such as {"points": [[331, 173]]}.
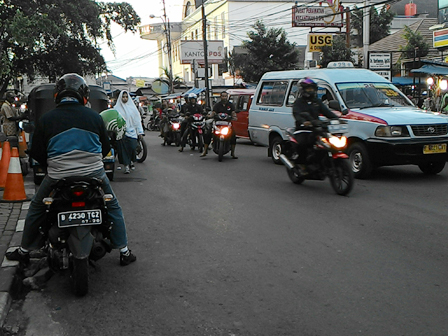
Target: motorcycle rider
{"points": [[70, 140], [223, 106], [192, 107], [306, 110]]}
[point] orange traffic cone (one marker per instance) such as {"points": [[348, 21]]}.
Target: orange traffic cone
{"points": [[14, 187], [22, 145], [4, 163]]}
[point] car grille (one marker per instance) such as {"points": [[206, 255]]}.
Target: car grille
{"points": [[428, 130]]}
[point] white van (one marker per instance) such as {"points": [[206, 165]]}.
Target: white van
{"points": [[385, 128]]}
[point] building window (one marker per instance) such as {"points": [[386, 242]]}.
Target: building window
{"points": [[216, 27], [192, 35], [196, 34], [188, 9], [223, 24]]}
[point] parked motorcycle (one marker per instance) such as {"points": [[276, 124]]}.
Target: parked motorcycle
{"points": [[196, 132], [221, 132], [171, 132], [76, 228], [325, 158], [153, 123]]}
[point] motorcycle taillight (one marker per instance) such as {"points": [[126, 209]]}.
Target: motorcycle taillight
{"points": [[78, 204]]}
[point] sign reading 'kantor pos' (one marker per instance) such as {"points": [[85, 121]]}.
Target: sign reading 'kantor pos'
{"points": [[322, 16], [194, 50]]}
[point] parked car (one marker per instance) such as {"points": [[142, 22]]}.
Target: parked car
{"points": [[242, 99]]}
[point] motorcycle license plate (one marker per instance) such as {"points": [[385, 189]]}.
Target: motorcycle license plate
{"points": [[434, 149], [79, 218]]}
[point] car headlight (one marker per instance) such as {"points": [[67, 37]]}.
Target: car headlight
{"points": [[391, 131]]}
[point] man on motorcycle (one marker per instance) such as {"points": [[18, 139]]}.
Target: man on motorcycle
{"points": [[223, 106], [192, 107], [306, 110], [70, 140]]}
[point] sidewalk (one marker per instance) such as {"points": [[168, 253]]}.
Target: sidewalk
{"points": [[12, 220]]}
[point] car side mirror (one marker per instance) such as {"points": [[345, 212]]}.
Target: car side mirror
{"points": [[334, 105]]}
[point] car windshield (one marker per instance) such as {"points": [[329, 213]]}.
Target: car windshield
{"points": [[366, 95]]}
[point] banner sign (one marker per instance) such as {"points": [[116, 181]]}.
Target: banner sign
{"points": [[440, 38], [322, 16], [194, 50], [317, 41], [385, 73], [380, 61]]}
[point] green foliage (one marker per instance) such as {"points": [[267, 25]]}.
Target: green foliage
{"points": [[172, 81], [415, 40], [267, 50], [53, 37], [337, 52], [379, 23]]}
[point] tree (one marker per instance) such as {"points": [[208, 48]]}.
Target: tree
{"points": [[267, 50], [379, 23], [172, 82], [416, 46], [53, 37], [337, 52]]}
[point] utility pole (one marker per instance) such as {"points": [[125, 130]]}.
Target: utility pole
{"points": [[366, 33], [168, 39], [347, 27], [204, 42]]}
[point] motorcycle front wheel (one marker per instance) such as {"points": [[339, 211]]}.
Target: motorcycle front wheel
{"points": [[80, 276], [141, 151], [200, 143], [294, 176], [221, 150], [341, 177]]}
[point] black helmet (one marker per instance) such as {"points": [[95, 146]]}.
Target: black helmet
{"points": [[71, 85], [307, 88]]}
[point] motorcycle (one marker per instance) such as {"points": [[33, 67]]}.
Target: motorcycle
{"points": [[172, 131], [196, 132], [76, 228], [153, 123], [325, 158], [221, 132]]}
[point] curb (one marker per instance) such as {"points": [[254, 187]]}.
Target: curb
{"points": [[12, 221]]}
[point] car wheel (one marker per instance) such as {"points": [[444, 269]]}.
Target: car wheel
{"points": [[360, 161], [276, 149], [432, 168]]}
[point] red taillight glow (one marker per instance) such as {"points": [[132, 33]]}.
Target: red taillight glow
{"points": [[78, 193], [78, 204]]}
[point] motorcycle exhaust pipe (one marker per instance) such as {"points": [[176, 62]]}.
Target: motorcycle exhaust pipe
{"points": [[98, 251], [286, 162]]}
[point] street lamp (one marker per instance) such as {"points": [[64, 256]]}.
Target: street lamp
{"points": [[166, 23]]}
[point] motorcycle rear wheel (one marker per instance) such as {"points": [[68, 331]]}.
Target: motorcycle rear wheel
{"points": [[80, 276], [341, 177], [294, 176]]}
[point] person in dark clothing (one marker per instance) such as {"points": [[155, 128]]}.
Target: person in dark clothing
{"points": [[70, 140], [192, 107], [223, 106], [306, 110]]}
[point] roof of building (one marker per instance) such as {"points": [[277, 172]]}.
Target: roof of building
{"points": [[394, 41]]}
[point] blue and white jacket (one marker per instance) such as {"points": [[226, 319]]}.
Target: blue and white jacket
{"points": [[70, 140]]}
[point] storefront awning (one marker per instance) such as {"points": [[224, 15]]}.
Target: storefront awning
{"points": [[404, 80], [194, 90], [432, 69]]}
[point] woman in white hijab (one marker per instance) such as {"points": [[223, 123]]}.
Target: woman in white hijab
{"points": [[126, 146]]}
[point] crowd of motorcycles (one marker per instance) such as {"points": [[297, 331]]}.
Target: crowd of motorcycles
{"points": [[169, 124]]}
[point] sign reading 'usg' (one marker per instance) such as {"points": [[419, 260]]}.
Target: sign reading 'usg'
{"points": [[317, 41]]}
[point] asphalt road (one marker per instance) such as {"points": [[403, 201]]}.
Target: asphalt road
{"points": [[234, 248]]}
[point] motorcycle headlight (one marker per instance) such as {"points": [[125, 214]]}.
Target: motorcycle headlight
{"points": [[176, 126], [338, 142], [391, 131], [225, 131]]}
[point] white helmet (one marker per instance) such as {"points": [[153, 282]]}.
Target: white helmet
{"points": [[192, 95]]}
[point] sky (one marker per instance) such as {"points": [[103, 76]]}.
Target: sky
{"points": [[134, 56]]}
